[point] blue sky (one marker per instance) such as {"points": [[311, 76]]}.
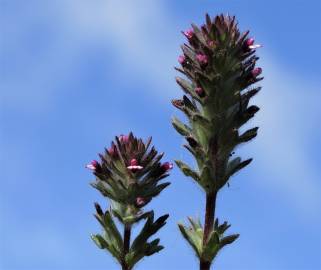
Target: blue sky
{"points": [[73, 74]]}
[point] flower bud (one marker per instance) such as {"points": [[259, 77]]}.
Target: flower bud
{"points": [[249, 44], [112, 151], [167, 166], [256, 72], [133, 162], [202, 59], [200, 92], [92, 165], [181, 59], [134, 167], [140, 201], [123, 138], [211, 43], [189, 33]]}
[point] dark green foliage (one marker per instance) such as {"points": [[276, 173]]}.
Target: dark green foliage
{"points": [[218, 63], [129, 174]]}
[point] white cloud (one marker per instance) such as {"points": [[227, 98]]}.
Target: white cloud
{"points": [[139, 33], [289, 120]]}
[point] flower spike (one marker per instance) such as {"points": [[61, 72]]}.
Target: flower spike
{"points": [[129, 174], [219, 75]]}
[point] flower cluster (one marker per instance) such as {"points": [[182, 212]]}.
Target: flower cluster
{"points": [[128, 171], [207, 46], [129, 174]]}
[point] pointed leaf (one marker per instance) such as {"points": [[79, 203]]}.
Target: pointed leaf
{"points": [[180, 127], [187, 170], [248, 135]]}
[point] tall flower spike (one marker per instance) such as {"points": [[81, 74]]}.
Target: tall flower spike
{"points": [[130, 174], [217, 89]]}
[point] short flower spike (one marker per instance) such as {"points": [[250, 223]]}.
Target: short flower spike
{"points": [[129, 173]]}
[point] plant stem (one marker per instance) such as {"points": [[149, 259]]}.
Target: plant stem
{"points": [[127, 232], [208, 225]]}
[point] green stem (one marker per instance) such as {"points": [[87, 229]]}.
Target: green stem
{"points": [[127, 232], [208, 225]]}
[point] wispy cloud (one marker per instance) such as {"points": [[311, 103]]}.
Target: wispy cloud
{"points": [[289, 129], [139, 33]]}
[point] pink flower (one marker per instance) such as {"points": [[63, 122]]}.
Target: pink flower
{"points": [[167, 166], [112, 151], [134, 165], [189, 33], [199, 91], [211, 43], [92, 165], [140, 201], [181, 59], [249, 43], [123, 138], [202, 59], [256, 72]]}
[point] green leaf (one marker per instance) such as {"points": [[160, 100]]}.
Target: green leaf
{"points": [[228, 240], [111, 229], [102, 243], [151, 190], [146, 249], [148, 230], [104, 190], [222, 228], [207, 179], [154, 249], [188, 52], [99, 241], [187, 170], [187, 88], [180, 127], [248, 135], [189, 104], [199, 35], [140, 247], [193, 238], [202, 120], [246, 115], [233, 168]]}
